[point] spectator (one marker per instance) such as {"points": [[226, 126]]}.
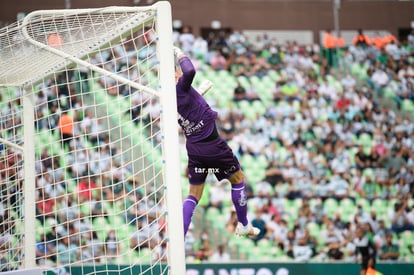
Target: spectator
{"points": [[85, 253], [139, 240], [204, 252], [67, 251], [399, 220], [370, 190], [95, 246], [335, 252], [259, 223], [239, 93], [301, 251], [220, 255], [311, 241], [365, 250], [362, 160], [311, 125], [93, 128], [112, 246], [382, 231], [66, 127], [340, 187], [380, 80], [160, 252], [45, 252], [278, 230], [218, 61], [361, 40], [200, 48], [333, 236], [389, 251], [45, 207], [186, 39], [410, 215], [85, 188]]}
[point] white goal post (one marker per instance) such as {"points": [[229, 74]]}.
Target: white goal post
{"points": [[89, 142]]}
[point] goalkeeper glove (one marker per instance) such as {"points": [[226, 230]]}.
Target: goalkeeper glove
{"points": [[177, 52], [204, 87]]}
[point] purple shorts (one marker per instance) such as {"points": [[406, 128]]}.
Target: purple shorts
{"points": [[214, 157]]}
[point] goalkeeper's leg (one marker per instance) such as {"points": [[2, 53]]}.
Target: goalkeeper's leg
{"points": [[239, 198], [197, 177]]}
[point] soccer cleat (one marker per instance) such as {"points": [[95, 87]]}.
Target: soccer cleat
{"points": [[247, 230]]}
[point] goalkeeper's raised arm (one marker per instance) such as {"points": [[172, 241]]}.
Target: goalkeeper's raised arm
{"points": [[186, 71], [207, 151], [196, 117], [187, 68]]}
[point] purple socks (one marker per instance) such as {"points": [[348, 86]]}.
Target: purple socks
{"points": [[189, 205], [239, 199]]}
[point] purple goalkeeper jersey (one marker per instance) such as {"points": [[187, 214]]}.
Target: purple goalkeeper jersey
{"points": [[195, 116]]}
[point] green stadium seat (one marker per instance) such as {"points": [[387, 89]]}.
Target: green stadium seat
{"points": [[212, 213], [313, 202], [205, 199], [243, 81], [352, 152], [407, 238], [410, 202], [116, 219], [261, 161], [48, 224], [389, 93], [129, 256], [314, 228], [274, 75], [407, 106], [297, 203], [39, 230], [292, 208], [265, 245], [246, 160], [145, 256], [258, 107], [368, 172], [282, 153], [366, 141], [364, 203], [346, 203], [258, 175], [248, 248], [276, 252], [254, 80], [348, 209], [256, 165], [100, 223], [380, 206], [330, 206], [249, 113]]}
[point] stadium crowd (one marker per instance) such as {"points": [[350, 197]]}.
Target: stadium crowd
{"points": [[335, 141]]}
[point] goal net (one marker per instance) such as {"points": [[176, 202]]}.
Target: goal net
{"points": [[89, 169]]}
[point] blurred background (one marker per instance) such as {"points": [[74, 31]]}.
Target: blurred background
{"points": [[316, 98]]}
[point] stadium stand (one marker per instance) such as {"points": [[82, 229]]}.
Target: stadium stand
{"points": [[324, 149]]}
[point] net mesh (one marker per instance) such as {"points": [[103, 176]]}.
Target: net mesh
{"points": [[11, 181], [100, 200], [77, 34]]}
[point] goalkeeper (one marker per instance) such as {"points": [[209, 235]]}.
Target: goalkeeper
{"points": [[207, 151]]}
